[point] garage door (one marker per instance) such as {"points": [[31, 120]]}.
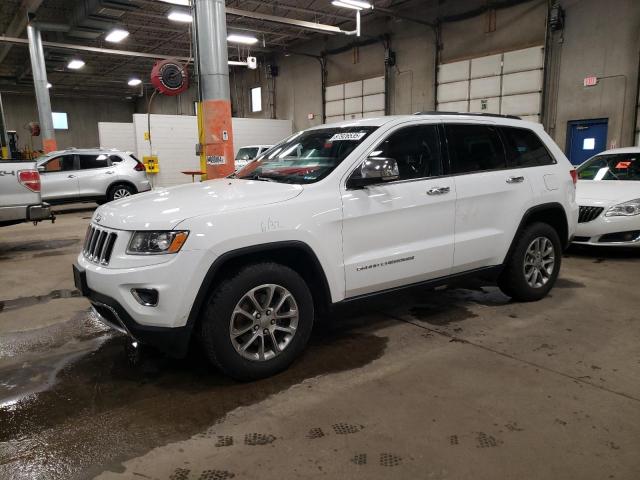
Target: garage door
{"points": [[508, 83], [353, 100]]}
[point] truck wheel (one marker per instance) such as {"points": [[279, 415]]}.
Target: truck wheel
{"points": [[533, 266], [119, 191], [257, 321]]}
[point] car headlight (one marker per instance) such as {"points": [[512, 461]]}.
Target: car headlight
{"points": [[625, 209], [156, 242]]}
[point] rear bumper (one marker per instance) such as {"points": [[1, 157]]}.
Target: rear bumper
{"points": [[25, 213]]}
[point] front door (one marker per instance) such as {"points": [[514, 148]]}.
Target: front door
{"points": [[59, 178], [586, 138], [400, 232]]}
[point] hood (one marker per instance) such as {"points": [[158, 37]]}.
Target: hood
{"points": [[606, 192], [164, 208]]}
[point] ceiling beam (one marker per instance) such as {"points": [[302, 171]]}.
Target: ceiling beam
{"points": [[316, 27], [19, 23]]}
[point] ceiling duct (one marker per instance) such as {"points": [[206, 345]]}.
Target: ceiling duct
{"points": [[92, 18]]}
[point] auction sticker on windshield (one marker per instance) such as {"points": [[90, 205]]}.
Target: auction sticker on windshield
{"points": [[353, 136]]}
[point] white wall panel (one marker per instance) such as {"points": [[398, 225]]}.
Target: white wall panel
{"points": [[374, 114], [486, 66], [117, 135], [353, 105], [452, 92], [335, 92], [353, 116], [522, 82], [453, 106], [531, 118], [527, 104], [259, 131], [335, 108], [527, 59], [353, 89], [372, 103], [335, 119], [485, 87], [493, 105], [453, 72], [373, 85]]}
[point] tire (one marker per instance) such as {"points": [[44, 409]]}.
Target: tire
{"points": [[521, 282], [120, 190], [231, 296]]}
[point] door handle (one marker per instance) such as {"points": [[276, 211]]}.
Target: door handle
{"points": [[515, 179], [71, 176], [438, 190], [108, 173]]}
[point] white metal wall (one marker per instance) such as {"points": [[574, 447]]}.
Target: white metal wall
{"points": [[353, 100], [507, 83], [117, 135]]}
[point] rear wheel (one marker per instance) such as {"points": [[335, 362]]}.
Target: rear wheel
{"points": [[533, 266], [120, 191], [257, 321]]}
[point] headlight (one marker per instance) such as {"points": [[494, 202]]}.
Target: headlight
{"points": [[145, 243], [625, 209]]}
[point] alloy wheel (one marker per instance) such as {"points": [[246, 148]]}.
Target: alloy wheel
{"points": [[539, 262], [121, 193]]}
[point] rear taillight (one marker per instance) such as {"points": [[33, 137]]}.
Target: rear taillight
{"points": [[139, 167], [30, 179], [574, 175]]}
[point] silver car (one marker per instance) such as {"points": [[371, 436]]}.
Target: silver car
{"points": [[91, 174]]}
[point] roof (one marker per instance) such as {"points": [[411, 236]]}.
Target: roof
{"points": [[620, 150], [444, 117]]}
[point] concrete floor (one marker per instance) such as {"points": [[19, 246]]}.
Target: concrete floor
{"points": [[458, 383]]}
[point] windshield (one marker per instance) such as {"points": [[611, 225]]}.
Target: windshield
{"points": [[307, 156], [619, 166]]}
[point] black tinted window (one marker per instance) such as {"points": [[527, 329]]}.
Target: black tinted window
{"points": [[524, 148], [416, 149], [93, 161], [114, 158], [60, 164], [474, 148]]}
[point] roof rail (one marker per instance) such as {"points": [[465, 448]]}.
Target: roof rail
{"points": [[515, 117]]}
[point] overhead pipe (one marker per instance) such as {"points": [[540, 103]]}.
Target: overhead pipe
{"points": [[38, 68]]}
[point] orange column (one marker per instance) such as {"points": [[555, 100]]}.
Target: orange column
{"points": [[217, 131]]}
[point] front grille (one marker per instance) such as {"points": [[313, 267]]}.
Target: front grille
{"points": [[98, 245], [587, 214]]}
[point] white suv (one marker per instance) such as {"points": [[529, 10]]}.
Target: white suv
{"points": [[331, 214], [91, 174]]}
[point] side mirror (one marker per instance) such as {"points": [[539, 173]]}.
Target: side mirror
{"points": [[374, 170]]}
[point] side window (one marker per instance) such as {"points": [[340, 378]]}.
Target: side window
{"points": [[63, 163], [524, 148], [416, 149], [475, 148], [93, 161], [114, 159]]}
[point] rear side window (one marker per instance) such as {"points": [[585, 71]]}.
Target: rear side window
{"points": [[60, 164], [93, 161], [475, 148], [525, 149], [114, 159]]}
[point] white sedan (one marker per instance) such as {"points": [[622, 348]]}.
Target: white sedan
{"points": [[608, 193]]}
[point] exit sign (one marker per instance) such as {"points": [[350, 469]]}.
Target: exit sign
{"points": [[590, 81]]}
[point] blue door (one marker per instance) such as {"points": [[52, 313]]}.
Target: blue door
{"points": [[586, 138]]}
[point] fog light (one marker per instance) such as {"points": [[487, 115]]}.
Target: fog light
{"points": [[147, 297]]}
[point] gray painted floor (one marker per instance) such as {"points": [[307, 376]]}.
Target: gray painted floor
{"points": [[457, 383]]}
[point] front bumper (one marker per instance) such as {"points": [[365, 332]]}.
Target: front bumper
{"points": [[606, 231]]}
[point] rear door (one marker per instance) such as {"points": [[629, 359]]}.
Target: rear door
{"points": [[59, 177], [400, 232], [95, 175], [491, 196]]}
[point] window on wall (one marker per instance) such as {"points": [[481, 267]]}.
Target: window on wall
{"points": [[256, 99], [60, 121]]}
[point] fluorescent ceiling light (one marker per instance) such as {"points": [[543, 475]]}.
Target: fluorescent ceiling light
{"points": [[134, 82], [75, 64], [116, 35], [182, 3], [352, 4], [246, 39], [180, 16], [49, 85]]}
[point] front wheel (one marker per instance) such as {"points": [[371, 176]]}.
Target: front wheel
{"points": [[257, 321], [533, 266]]}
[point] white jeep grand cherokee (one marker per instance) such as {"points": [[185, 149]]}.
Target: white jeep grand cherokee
{"points": [[332, 214]]}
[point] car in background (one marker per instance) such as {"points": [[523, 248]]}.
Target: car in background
{"points": [[91, 174], [249, 153], [608, 193], [20, 199]]}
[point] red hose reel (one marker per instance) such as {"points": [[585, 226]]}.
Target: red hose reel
{"points": [[170, 77]]}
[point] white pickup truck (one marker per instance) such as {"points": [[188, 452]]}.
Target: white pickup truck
{"points": [[20, 199]]}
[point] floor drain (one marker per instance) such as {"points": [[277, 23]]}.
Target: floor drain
{"points": [[315, 433], [224, 441], [346, 428], [389, 460], [180, 474], [258, 439], [486, 441], [216, 475], [453, 440], [360, 459]]}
